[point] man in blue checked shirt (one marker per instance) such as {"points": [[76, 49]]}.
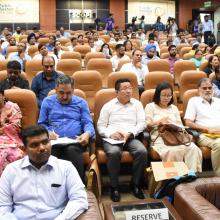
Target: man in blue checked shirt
{"points": [[65, 115], [41, 186]]}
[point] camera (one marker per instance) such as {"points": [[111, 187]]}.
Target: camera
{"points": [[134, 19]]}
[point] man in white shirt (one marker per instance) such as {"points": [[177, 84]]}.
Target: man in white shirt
{"points": [[98, 42], [139, 69], [40, 186], [208, 28], [123, 119], [120, 55], [203, 115]]}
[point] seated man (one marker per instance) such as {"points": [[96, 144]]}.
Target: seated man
{"points": [[150, 50], [139, 69], [14, 79], [45, 81], [172, 57], [123, 119], [65, 115], [120, 55], [203, 115], [40, 186]]}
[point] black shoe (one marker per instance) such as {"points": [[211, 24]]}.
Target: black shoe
{"points": [[137, 191], [115, 194]]}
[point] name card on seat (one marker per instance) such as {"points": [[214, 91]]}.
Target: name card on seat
{"points": [[148, 214]]}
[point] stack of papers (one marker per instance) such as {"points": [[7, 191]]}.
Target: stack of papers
{"points": [[64, 140], [112, 141]]}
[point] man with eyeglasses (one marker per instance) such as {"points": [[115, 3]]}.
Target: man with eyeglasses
{"points": [[67, 115], [203, 115], [139, 69], [44, 81], [121, 121]]}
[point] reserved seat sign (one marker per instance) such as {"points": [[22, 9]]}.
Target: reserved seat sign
{"points": [[148, 214]]}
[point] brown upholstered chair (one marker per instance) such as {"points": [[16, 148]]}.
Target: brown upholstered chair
{"points": [[93, 212], [69, 66], [136, 43], [32, 67], [91, 55], [102, 97], [63, 41], [180, 46], [184, 50], [158, 65], [27, 101], [89, 82], [21, 37], [198, 200], [103, 66], [32, 50], [43, 40], [180, 66], [206, 152], [164, 55], [71, 55], [11, 49], [203, 65], [105, 37], [164, 50], [188, 56], [114, 76], [122, 62], [189, 80], [152, 79], [3, 65], [82, 49]]}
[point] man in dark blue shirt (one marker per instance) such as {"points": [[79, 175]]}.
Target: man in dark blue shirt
{"points": [[65, 115], [109, 22], [45, 81]]}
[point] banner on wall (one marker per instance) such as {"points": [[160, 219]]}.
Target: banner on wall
{"points": [[19, 11], [151, 10], [85, 15]]}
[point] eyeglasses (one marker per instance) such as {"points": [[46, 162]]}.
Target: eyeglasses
{"points": [[200, 54], [166, 96], [206, 88]]}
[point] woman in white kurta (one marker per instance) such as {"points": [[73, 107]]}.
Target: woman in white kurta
{"points": [[162, 111]]}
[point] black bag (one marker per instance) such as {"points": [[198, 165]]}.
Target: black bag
{"points": [[167, 189]]}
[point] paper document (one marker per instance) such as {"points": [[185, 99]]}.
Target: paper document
{"points": [[112, 141], [64, 140]]}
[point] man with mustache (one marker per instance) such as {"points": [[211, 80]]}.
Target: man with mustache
{"points": [[66, 115], [14, 79], [45, 81], [40, 186], [203, 115]]}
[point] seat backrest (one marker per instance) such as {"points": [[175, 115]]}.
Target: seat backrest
{"points": [[147, 97], [186, 96], [136, 43], [212, 76], [188, 56], [3, 65], [69, 66], [11, 49], [180, 66], [105, 37], [76, 92], [32, 67], [82, 49], [152, 79], [164, 50], [27, 101], [122, 62], [91, 55], [32, 50], [184, 50], [158, 65], [189, 80], [180, 46], [3, 75], [114, 76], [164, 55], [101, 97], [203, 65], [89, 82], [103, 66], [71, 55], [43, 40], [63, 41], [21, 37]]}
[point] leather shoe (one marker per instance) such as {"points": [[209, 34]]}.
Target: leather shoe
{"points": [[115, 194], [137, 191]]}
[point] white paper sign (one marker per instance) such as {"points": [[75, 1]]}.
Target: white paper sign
{"points": [[112, 141], [64, 140], [148, 214]]}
